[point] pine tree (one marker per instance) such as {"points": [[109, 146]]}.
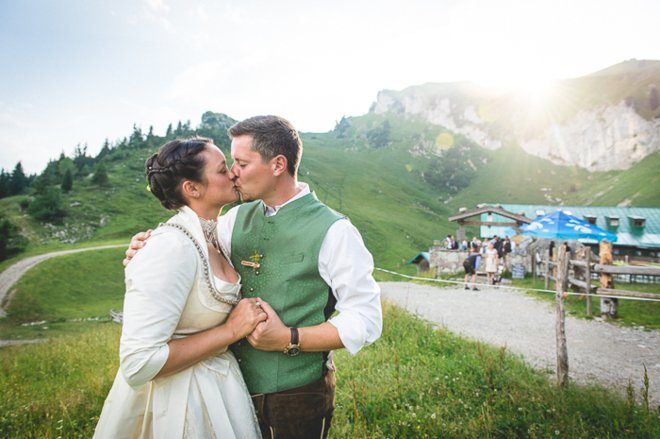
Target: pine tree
{"points": [[5, 184], [19, 180], [105, 149], [168, 133], [47, 206], [100, 177], [136, 138], [11, 240], [67, 181]]}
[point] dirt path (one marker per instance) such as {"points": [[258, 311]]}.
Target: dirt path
{"points": [[13, 273], [598, 352]]}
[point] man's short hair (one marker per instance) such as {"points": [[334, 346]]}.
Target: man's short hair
{"points": [[272, 136]]}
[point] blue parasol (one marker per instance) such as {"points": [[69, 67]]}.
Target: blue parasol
{"points": [[560, 225]]}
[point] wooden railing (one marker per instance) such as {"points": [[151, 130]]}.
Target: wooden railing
{"points": [[576, 274]]}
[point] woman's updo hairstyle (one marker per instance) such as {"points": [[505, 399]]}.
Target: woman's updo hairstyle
{"points": [[174, 162]]}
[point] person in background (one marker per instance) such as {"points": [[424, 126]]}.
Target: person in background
{"points": [[470, 265], [492, 261], [497, 244], [506, 248], [464, 245]]}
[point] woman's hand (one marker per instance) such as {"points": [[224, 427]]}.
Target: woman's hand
{"points": [[245, 317]]}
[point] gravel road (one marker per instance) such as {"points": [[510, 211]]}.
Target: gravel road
{"points": [[14, 272], [598, 352]]}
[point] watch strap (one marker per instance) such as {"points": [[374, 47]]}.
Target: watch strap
{"points": [[295, 337]]}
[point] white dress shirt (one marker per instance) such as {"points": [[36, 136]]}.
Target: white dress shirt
{"points": [[346, 266]]}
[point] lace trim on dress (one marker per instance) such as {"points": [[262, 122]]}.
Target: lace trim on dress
{"points": [[229, 299]]}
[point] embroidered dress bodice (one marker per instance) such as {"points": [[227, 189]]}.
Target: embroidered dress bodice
{"points": [[171, 293]]}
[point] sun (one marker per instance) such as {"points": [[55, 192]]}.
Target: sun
{"points": [[529, 85]]}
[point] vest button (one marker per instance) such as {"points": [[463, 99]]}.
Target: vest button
{"points": [[251, 289], [256, 273]]}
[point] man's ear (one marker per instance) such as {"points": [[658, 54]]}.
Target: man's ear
{"points": [[279, 164]]}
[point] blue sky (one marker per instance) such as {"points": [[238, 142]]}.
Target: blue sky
{"points": [[76, 71]]}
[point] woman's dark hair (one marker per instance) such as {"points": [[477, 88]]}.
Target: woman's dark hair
{"points": [[174, 162]]}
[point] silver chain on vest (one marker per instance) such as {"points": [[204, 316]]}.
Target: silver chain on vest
{"points": [[207, 272]]}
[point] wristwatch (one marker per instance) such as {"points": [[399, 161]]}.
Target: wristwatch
{"points": [[293, 348]]}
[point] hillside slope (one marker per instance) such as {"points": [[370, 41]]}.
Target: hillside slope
{"points": [[397, 179]]}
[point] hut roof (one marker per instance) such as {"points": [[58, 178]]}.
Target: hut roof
{"points": [[634, 226]]}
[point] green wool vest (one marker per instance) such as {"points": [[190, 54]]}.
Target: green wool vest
{"points": [[286, 246]]}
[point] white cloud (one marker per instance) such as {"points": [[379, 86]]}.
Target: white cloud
{"points": [[157, 5], [202, 79]]}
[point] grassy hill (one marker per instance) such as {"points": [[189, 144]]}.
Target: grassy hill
{"points": [[376, 169]]}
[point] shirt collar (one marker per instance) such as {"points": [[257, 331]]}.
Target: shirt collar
{"points": [[303, 189]]}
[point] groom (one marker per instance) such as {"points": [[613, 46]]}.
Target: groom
{"points": [[305, 261]]}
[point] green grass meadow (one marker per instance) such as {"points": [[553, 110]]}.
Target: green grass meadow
{"points": [[63, 290], [414, 382]]}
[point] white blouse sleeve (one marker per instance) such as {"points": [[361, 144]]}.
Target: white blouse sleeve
{"points": [[158, 282]]}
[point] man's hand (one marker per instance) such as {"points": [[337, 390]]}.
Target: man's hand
{"points": [[245, 317], [138, 241], [271, 334]]}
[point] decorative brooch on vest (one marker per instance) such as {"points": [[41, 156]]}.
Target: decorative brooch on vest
{"points": [[255, 260]]}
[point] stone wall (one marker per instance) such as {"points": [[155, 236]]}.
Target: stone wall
{"points": [[447, 261], [451, 261]]}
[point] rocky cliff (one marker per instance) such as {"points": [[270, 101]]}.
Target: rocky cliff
{"points": [[606, 121]]}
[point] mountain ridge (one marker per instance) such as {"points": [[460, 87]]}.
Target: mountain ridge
{"points": [[604, 121]]}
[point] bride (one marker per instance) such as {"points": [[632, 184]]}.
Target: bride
{"points": [[182, 310]]}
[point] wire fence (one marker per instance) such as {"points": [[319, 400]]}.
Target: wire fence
{"points": [[508, 287]]}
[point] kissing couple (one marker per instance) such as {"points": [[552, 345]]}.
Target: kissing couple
{"points": [[230, 321]]}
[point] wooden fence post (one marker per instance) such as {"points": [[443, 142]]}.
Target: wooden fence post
{"points": [[587, 278], [609, 306], [561, 284]]}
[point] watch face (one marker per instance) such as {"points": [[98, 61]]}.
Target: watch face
{"points": [[293, 351]]}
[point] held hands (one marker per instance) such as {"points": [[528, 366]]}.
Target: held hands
{"points": [[271, 334], [138, 241], [245, 317]]}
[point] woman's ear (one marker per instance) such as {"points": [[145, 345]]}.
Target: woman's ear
{"points": [[279, 164], [190, 190]]}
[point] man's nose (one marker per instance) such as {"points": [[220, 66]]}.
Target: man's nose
{"points": [[232, 171]]}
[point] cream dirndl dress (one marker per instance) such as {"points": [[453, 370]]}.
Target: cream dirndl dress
{"points": [[168, 296]]}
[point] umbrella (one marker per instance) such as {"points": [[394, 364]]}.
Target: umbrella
{"points": [[561, 225]]}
